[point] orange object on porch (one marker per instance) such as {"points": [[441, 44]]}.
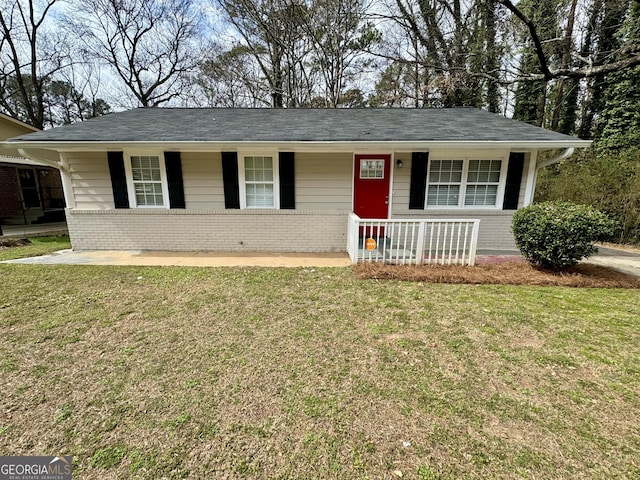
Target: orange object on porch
{"points": [[370, 244]]}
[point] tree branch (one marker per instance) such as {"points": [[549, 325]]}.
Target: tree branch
{"points": [[542, 58]]}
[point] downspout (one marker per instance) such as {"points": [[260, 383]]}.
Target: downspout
{"points": [[563, 156]]}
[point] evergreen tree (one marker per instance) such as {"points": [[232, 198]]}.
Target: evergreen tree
{"points": [[603, 42], [531, 95], [619, 126]]}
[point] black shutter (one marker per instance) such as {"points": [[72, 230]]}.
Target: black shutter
{"points": [[514, 177], [287, 181], [173, 166], [230, 180], [417, 190], [118, 179]]}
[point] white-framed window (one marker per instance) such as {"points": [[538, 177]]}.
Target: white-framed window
{"points": [[372, 168], [146, 180], [483, 181], [466, 180], [444, 182], [259, 181]]}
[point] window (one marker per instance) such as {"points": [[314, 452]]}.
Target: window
{"points": [[483, 180], [445, 181], [371, 168], [259, 182], [466, 181], [147, 181]]}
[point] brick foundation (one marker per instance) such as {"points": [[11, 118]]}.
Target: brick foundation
{"points": [[224, 231]]}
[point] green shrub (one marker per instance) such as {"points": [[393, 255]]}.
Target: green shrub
{"points": [[559, 234]]}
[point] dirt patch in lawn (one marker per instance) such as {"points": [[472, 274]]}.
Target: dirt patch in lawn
{"points": [[511, 273], [13, 242]]}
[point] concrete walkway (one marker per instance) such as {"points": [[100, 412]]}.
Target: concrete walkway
{"points": [[190, 259], [624, 260]]}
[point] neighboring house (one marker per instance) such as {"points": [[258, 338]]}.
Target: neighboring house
{"points": [[30, 192], [288, 180]]}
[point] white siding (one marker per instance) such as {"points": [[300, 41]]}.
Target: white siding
{"points": [[401, 183], [323, 185], [323, 181], [523, 180], [495, 225], [202, 177], [90, 180]]}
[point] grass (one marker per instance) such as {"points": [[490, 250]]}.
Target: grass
{"points": [[21, 248], [143, 372]]}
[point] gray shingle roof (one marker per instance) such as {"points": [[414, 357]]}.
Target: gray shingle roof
{"points": [[297, 125]]}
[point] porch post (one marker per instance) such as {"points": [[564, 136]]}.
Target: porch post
{"points": [[67, 186], [420, 242]]}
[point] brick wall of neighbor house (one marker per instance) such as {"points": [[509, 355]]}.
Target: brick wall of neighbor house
{"points": [[9, 192], [214, 230]]}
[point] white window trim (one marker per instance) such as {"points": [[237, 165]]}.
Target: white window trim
{"points": [[129, 174], [276, 179], [466, 156], [375, 160]]}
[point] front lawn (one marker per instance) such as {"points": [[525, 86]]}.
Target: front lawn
{"points": [[143, 372], [11, 248]]}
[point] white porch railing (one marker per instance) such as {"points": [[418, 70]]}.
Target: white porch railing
{"points": [[403, 241]]}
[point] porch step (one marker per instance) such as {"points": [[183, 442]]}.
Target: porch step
{"points": [[398, 253]]}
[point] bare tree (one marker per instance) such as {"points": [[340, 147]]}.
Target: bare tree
{"points": [[340, 38], [30, 57], [308, 52], [229, 78], [273, 31], [151, 45], [452, 47]]}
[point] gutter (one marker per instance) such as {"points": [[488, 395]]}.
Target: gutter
{"points": [[298, 145], [563, 156]]}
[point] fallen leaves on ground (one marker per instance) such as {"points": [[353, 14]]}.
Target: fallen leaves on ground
{"points": [[512, 273]]}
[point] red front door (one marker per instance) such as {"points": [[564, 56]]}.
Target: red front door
{"points": [[371, 185]]}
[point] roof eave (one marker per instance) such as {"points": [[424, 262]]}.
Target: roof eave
{"points": [[67, 146], [20, 123]]}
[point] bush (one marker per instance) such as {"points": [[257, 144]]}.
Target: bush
{"points": [[559, 234]]}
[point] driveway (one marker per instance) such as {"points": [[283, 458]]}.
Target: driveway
{"points": [[623, 259]]}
